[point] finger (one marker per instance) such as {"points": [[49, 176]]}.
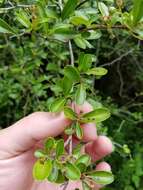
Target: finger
{"points": [[100, 148], [102, 166], [33, 128], [86, 107], [89, 132]]}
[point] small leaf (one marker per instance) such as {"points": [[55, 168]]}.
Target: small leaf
{"points": [[66, 85], [72, 73], [82, 167], [80, 95], [85, 186], [69, 8], [77, 151], [72, 172], [80, 20], [98, 115], [53, 175], [39, 154], [42, 170], [137, 11], [69, 113], [69, 131], [84, 159], [101, 177], [85, 62], [79, 131], [103, 9], [23, 18], [60, 148], [61, 178], [98, 71], [80, 42], [58, 105], [49, 144], [6, 28]]}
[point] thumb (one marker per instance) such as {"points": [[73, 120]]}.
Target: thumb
{"points": [[28, 131]]}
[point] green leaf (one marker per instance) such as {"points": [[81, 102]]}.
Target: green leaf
{"points": [[80, 95], [77, 151], [23, 18], [101, 177], [39, 154], [98, 71], [49, 144], [80, 42], [82, 167], [80, 20], [84, 159], [85, 186], [69, 113], [72, 172], [57, 105], [61, 178], [79, 131], [69, 8], [6, 28], [103, 9], [137, 11], [66, 85], [72, 73], [98, 115], [53, 175], [42, 170], [60, 148], [85, 62], [69, 131]]}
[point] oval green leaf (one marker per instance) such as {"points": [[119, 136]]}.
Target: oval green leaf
{"points": [[69, 8], [69, 113], [84, 159], [42, 170], [101, 177], [79, 131], [80, 95], [72, 73], [97, 115], [72, 172], [103, 9], [98, 71], [85, 186], [53, 175], [49, 144], [60, 148], [85, 61], [57, 105], [39, 154]]}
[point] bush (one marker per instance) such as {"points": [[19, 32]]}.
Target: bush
{"points": [[38, 40]]}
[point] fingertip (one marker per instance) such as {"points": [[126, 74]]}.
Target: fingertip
{"points": [[103, 166], [104, 145], [90, 132]]}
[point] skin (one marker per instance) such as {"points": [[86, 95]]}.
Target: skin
{"points": [[18, 142]]}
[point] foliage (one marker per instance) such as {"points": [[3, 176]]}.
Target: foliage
{"points": [[54, 52]]}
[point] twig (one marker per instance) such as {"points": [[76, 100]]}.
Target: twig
{"points": [[104, 27], [80, 4], [71, 53], [121, 80], [64, 185], [14, 7], [118, 59]]}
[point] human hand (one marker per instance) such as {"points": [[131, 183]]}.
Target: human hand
{"points": [[18, 143]]}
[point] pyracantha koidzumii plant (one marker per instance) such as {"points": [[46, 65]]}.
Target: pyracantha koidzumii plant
{"points": [[75, 24]]}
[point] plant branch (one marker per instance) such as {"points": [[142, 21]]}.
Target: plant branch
{"points": [[71, 53], [14, 7], [104, 27], [118, 59]]}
